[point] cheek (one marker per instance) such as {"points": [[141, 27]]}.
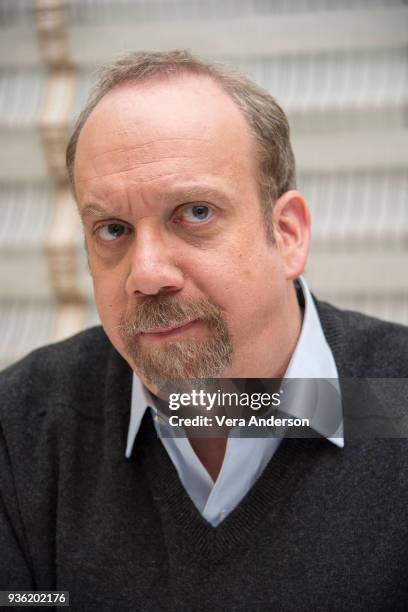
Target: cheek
{"points": [[251, 291], [110, 297], [111, 306], [215, 276]]}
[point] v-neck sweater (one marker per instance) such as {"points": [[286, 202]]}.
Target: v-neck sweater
{"points": [[321, 528]]}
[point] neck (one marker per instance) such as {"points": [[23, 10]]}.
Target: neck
{"points": [[211, 452]]}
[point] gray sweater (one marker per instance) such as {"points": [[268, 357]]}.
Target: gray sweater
{"points": [[323, 528]]}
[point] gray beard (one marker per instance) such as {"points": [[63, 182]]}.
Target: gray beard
{"points": [[188, 359]]}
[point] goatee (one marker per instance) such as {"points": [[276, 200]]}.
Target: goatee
{"points": [[193, 358]]}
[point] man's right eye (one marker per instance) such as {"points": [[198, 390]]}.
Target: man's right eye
{"points": [[111, 231]]}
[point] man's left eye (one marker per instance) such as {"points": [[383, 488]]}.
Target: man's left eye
{"points": [[194, 213]]}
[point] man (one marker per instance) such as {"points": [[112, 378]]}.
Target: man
{"points": [[197, 239]]}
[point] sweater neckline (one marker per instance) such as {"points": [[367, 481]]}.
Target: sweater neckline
{"points": [[263, 502], [333, 329], [276, 484]]}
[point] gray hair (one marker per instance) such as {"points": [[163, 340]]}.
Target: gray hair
{"points": [[268, 122]]}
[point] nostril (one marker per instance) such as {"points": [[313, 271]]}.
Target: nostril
{"points": [[170, 289], [162, 290]]}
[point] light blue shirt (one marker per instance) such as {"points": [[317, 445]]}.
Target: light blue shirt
{"points": [[245, 458]]}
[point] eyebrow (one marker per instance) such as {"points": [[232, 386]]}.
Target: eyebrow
{"points": [[179, 195], [94, 210], [190, 193]]}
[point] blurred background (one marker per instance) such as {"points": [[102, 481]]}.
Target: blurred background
{"points": [[338, 67]]}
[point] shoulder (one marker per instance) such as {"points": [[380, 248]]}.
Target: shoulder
{"points": [[373, 347], [55, 374]]}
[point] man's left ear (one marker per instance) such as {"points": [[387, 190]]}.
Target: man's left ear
{"points": [[291, 226]]}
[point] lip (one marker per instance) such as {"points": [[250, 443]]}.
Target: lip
{"points": [[165, 332]]}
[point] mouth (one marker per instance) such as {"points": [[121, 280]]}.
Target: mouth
{"points": [[162, 333]]}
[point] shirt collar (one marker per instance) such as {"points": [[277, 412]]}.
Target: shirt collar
{"points": [[312, 358]]}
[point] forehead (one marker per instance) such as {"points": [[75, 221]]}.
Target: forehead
{"points": [[182, 124]]}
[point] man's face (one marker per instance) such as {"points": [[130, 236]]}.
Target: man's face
{"points": [[186, 282]]}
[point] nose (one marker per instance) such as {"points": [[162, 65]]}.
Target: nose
{"points": [[152, 267]]}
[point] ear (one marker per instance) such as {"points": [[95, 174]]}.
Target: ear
{"points": [[291, 224]]}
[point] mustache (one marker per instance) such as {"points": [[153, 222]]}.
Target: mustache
{"points": [[155, 312]]}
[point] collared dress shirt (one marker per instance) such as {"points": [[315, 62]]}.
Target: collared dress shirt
{"points": [[245, 458]]}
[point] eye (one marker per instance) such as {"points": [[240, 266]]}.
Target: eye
{"points": [[112, 231], [196, 213]]}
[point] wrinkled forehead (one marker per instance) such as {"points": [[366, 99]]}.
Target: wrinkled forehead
{"points": [[137, 127]]}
